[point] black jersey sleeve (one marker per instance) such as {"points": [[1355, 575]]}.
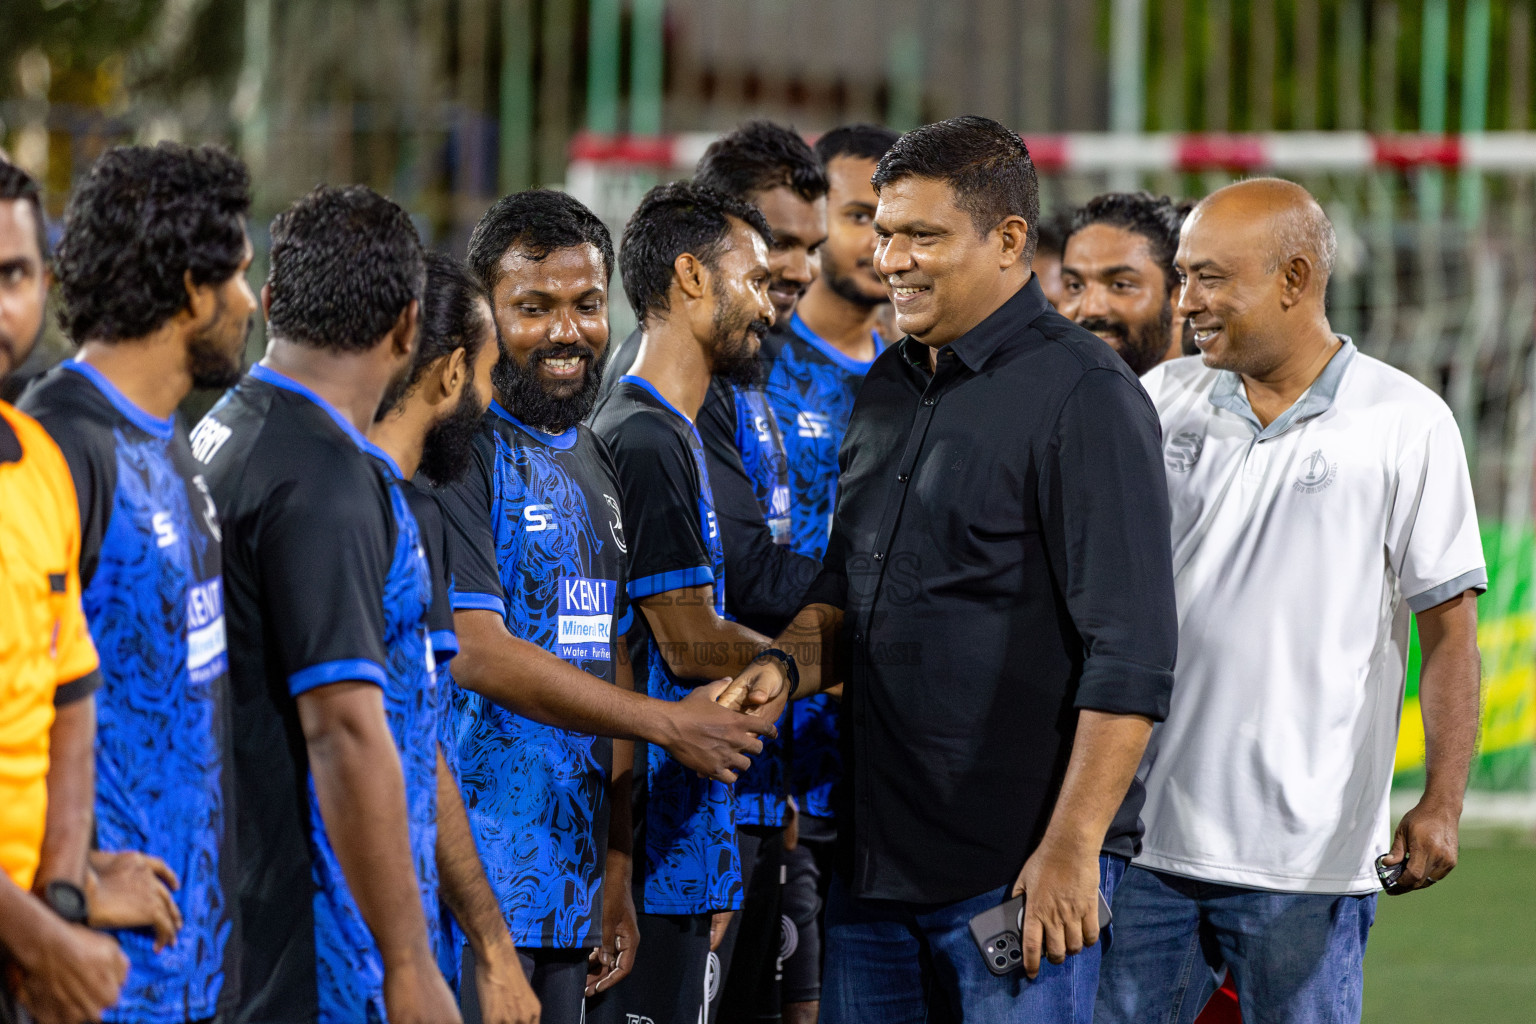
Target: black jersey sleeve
{"points": [[466, 508], [324, 547], [623, 611], [764, 581], [434, 539], [90, 451], [661, 494]]}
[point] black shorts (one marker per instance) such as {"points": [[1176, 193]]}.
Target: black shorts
{"points": [[749, 960], [558, 977], [667, 985], [807, 871]]}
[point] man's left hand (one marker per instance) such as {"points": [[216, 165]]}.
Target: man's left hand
{"points": [[1427, 835], [133, 890], [1061, 904]]}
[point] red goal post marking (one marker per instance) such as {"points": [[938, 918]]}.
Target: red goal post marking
{"points": [[1151, 152]]}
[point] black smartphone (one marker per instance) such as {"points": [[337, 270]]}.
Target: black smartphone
{"points": [[1389, 874], [998, 933]]}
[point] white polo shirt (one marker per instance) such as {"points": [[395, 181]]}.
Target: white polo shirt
{"points": [[1298, 551]]}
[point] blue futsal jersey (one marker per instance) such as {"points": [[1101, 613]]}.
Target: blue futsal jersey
{"points": [[324, 583], [685, 829], [536, 536], [811, 386], [150, 569]]}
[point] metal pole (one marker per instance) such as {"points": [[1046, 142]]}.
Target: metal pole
{"points": [[1474, 101], [1434, 43], [1127, 82], [647, 56], [516, 95], [603, 67]]}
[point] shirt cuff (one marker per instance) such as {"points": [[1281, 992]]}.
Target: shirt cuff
{"points": [[1476, 580], [1118, 686], [445, 644], [467, 601], [623, 626], [673, 579], [343, 671], [77, 689]]}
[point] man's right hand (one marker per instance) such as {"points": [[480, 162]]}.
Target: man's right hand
{"points": [[714, 740], [69, 973], [415, 993]]}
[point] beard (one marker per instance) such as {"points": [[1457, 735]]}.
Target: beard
{"points": [[449, 444], [394, 392], [738, 335], [845, 285], [1141, 347], [208, 356], [555, 407]]}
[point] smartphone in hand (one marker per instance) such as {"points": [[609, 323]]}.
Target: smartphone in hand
{"points": [[999, 933]]}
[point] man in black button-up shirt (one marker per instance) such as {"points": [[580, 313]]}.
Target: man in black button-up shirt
{"points": [[999, 574]]}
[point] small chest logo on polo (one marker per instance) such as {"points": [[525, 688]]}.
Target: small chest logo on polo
{"points": [[585, 618], [812, 424], [206, 656], [1316, 473], [165, 529], [1184, 451], [616, 524], [538, 518]]}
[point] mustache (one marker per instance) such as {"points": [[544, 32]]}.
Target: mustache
{"points": [[1103, 325], [759, 328]]}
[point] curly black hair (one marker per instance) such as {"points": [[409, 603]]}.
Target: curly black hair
{"points": [[673, 219], [143, 219], [1155, 218], [985, 164], [863, 141], [451, 314], [536, 222], [346, 262], [17, 184], [759, 156]]}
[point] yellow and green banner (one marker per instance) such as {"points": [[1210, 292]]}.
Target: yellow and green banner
{"points": [[1506, 635]]}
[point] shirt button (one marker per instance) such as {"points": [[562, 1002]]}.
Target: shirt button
{"points": [[858, 638], [902, 478], [927, 401]]}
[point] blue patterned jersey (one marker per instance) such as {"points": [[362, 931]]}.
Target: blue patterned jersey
{"points": [[324, 583], [685, 827], [537, 537], [153, 595], [811, 386]]}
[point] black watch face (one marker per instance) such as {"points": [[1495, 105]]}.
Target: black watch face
{"points": [[67, 900]]}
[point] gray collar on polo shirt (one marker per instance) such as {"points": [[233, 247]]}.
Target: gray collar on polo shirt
{"points": [[1228, 393]]}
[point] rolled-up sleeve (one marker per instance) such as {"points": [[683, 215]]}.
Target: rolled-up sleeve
{"points": [[1104, 502]]}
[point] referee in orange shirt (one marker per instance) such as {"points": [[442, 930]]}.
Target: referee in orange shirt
{"points": [[55, 969]]}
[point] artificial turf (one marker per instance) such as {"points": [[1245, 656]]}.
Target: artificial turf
{"points": [[1464, 951]]}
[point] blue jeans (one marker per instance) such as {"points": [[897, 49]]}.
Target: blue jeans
{"points": [[1295, 958], [910, 963]]}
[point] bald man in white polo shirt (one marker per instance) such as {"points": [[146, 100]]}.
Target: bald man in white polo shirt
{"points": [[1319, 497]]}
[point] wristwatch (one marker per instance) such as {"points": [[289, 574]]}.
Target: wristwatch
{"points": [[67, 900], [791, 670]]}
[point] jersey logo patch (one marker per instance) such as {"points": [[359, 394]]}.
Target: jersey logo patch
{"points": [[206, 657], [210, 510], [812, 424], [1184, 451], [165, 529], [616, 524], [585, 618], [1316, 473], [207, 438], [539, 518]]}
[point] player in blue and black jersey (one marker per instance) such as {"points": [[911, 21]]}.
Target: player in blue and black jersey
{"points": [[815, 369], [427, 434], [771, 167], [326, 596], [695, 268], [152, 270]]}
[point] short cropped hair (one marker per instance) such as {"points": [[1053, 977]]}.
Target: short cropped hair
{"points": [[1155, 218], [346, 262], [671, 220], [17, 185], [535, 222], [861, 141], [451, 314], [987, 166], [143, 218], [759, 156]]}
